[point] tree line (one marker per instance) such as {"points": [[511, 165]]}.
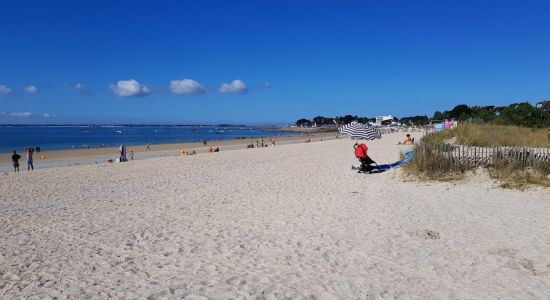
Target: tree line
{"points": [[520, 114], [324, 121]]}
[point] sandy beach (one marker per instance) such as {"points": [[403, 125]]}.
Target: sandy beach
{"points": [[286, 222]]}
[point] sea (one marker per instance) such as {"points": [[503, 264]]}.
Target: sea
{"points": [[50, 138]]}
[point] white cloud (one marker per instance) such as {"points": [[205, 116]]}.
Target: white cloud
{"points": [[129, 88], [235, 87], [6, 91], [22, 114], [81, 88], [46, 115], [186, 87], [31, 89]]}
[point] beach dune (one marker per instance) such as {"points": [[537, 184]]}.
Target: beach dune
{"points": [[290, 221]]}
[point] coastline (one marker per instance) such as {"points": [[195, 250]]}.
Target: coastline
{"points": [[308, 129], [61, 158]]}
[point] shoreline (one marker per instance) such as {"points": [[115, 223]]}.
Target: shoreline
{"points": [[62, 158]]}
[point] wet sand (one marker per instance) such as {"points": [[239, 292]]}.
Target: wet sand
{"points": [[101, 155]]}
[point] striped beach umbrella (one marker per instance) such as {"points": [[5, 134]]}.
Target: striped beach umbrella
{"points": [[360, 131]]}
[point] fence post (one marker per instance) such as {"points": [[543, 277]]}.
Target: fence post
{"points": [[475, 156]]}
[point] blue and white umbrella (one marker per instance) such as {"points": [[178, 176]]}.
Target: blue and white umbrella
{"points": [[360, 131]]}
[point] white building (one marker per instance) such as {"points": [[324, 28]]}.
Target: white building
{"points": [[381, 119], [543, 104]]}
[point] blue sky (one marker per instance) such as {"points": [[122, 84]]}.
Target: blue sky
{"points": [[73, 61]]}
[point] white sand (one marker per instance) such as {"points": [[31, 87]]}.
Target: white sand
{"points": [[286, 222]]}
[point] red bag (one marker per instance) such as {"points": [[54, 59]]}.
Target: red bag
{"points": [[361, 151]]}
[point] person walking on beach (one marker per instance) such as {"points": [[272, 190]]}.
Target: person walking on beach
{"points": [[30, 152], [147, 147], [15, 159], [131, 155]]}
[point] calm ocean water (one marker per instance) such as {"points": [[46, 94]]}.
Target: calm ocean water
{"points": [[61, 138]]}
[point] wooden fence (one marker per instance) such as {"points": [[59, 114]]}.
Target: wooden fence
{"points": [[484, 156]]}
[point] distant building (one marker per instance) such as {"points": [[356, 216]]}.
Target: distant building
{"points": [[543, 104], [381, 119]]}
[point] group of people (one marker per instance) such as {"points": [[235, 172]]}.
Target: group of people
{"points": [[261, 144], [16, 157], [122, 154], [184, 153]]}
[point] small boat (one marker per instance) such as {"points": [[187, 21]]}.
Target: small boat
{"points": [[118, 131]]}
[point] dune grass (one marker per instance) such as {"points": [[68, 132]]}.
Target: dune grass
{"points": [[431, 162], [515, 174], [469, 134]]}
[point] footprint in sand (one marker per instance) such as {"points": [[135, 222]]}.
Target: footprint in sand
{"points": [[426, 234], [535, 269], [504, 252], [430, 234], [526, 264]]}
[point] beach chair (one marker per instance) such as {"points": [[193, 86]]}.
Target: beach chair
{"points": [[367, 165]]}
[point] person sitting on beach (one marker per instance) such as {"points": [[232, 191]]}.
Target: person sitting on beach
{"points": [[408, 140], [210, 149], [15, 159], [182, 152], [217, 149]]}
